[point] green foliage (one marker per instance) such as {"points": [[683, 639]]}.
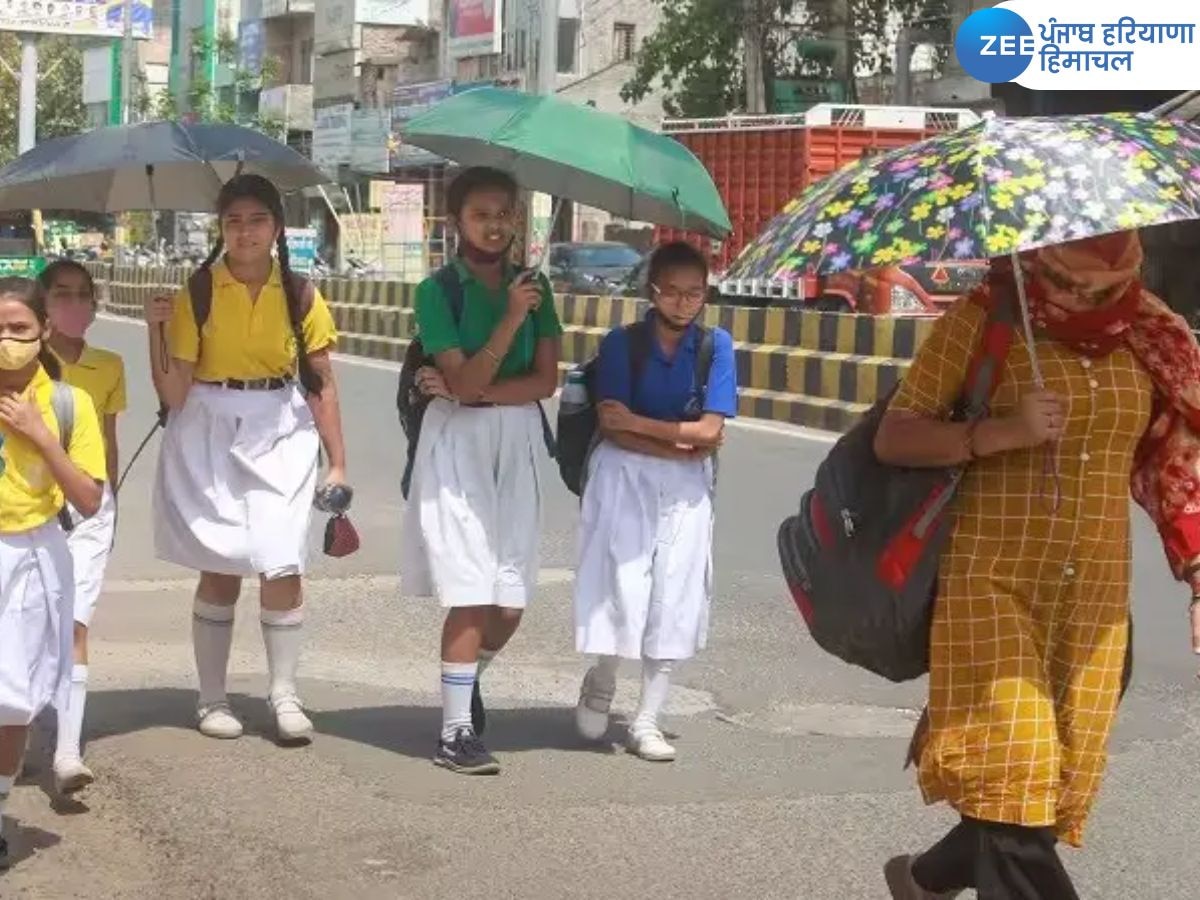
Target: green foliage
{"points": [[696, 56], [60, 109]]}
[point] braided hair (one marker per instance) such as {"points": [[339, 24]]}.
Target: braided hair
{"points": [[25, 290], [260, 189]]}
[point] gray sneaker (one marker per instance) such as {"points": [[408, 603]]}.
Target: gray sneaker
{"points": [[595, 699]]}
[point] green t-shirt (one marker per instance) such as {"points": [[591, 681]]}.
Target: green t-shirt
{"points": [[482, 311]]}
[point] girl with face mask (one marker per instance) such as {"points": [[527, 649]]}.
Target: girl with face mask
{"points": [[473, 519], [37, 476], [69, 295]]}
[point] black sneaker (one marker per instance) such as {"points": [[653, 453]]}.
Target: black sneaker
{"points": [[465, 755], [478, 713], [3, 854]]}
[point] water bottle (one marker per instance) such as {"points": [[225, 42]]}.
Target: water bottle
{"points": [[574, 392]]}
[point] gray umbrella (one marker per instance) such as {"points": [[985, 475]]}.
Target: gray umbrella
{"points": [[156, 166]]}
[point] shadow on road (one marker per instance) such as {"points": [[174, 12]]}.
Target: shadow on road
{"points": [[24, 842], [406, 730]]}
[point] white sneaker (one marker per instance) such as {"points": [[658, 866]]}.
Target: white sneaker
{"points": [[595, 699], [292, 725], [650, 745], [900, 881], [71, 776], [218, 721]]}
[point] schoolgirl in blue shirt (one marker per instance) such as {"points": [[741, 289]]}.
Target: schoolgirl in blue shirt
{"points": [[645, 561]]}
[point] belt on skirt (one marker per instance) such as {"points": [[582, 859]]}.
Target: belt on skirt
{"points": [[253, 384]]}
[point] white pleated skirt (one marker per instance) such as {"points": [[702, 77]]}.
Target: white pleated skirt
{"points": [[37, 593], [236, 478], [472, 523], [90, 543], [645, 556]]}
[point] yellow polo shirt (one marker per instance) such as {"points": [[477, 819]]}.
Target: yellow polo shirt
{"points": [[246, 338], [29, 495], [100, 373]]}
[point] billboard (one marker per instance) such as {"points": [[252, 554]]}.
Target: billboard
{"points": [[408, 102], [80, 18], [473, 28], [332, 144]]}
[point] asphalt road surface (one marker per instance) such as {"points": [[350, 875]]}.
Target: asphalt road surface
{"points": [[788, 784]]}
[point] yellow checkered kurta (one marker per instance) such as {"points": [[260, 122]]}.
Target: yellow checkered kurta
{"points": [[1030, 624]]}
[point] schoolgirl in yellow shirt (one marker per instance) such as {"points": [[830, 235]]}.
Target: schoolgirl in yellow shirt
{"points": [[69, 296], [37, 475], [251, 394]]}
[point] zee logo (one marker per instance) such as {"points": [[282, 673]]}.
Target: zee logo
{"points": [[1006, 45], [994, 45]]}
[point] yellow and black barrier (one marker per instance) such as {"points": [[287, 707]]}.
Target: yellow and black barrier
{"points": [[820, 370]]}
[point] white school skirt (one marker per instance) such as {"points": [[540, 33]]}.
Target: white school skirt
{"points": [[236, 478], [472, 523], [645, 556], [90, 543], [37, 592]]}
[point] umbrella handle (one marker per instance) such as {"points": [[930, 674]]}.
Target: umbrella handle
{"points": [[1051, 479]]}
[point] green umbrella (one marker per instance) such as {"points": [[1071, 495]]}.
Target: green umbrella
{"points": [[576, 153]]}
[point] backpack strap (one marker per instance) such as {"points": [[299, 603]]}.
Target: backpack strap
{"points": [[987, 365], [450, 281], [62, 402], [704, 361]]}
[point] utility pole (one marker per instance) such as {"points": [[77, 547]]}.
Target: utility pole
{"points": [[27, 117], [541, 210], [547, 68], [127, 59], [27, 110]]}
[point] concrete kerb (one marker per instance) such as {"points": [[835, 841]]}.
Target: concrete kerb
{"points": [[817, 370]]}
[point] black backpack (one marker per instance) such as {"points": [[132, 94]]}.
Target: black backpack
{"points": [[578, 423], [861, 558], [411, 403]]}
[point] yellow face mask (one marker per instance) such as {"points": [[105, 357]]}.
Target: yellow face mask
{"points": [[17, 354]]}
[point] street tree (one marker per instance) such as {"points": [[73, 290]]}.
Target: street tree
{"points": [[701, 51], [60, 109]]}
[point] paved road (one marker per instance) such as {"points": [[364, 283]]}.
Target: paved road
{"points": [[789, 783]]}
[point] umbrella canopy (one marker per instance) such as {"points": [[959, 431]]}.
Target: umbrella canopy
{"points": [[577, 153], [995, 188], [160, 165]]}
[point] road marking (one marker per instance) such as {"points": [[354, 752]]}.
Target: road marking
{"points": [[762, 426]]}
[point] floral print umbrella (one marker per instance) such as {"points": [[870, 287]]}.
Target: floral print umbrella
{"points": [[991, 189]]}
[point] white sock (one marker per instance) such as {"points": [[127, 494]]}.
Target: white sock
{"points": [[6, 784], [212, 636], [282, 633], [485, 659], [656, 681], [606, 667], [458, 680], [70, 720]]}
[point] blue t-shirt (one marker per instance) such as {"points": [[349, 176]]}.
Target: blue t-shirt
{"points": [[666, 385]]}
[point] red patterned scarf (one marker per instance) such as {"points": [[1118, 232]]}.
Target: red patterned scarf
{"points": [[1087, 296]]}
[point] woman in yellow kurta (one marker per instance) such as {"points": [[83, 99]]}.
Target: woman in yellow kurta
{"points": [[1030, 624], [37, 475]]}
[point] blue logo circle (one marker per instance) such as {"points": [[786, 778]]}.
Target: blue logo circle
{"points": [[994, 45]]}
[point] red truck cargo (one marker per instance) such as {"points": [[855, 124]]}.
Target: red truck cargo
{"points": [[759, 163]]}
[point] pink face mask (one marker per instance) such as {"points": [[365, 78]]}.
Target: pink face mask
{"points": [[72, 319]]}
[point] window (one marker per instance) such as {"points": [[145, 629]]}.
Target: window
{"points": [[568, 46], [624, 41]]}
